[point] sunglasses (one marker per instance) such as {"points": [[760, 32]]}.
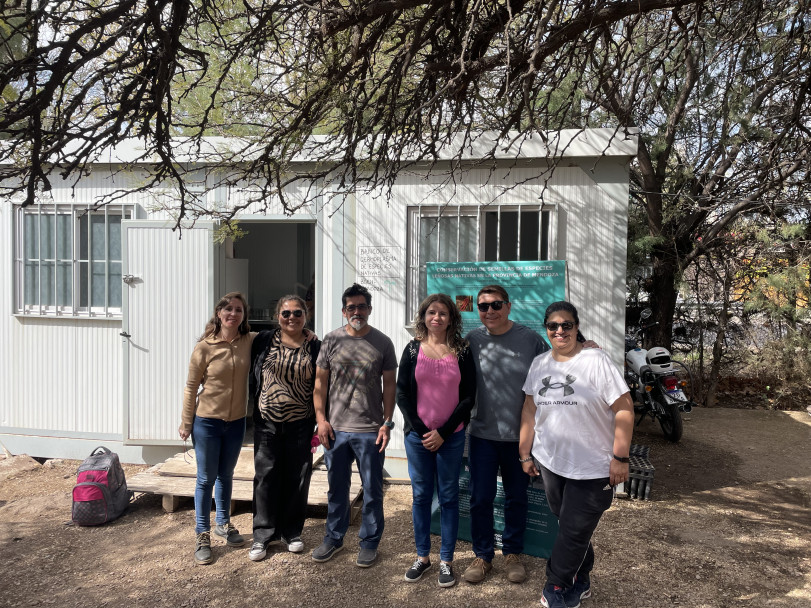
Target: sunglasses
{"points": [[565, 326], [496, 304], [360, 307], [296, 313]]}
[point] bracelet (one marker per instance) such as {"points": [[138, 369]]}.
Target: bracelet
{"points": [[523, 460], [625, 460]]}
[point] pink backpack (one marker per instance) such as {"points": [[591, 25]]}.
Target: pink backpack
{"points": [[100, 494]]}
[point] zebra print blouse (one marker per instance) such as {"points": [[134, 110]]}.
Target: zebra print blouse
{"points": [[288, 378]]}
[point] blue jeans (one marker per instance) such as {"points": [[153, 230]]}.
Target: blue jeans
{"points": [[485, 458], [438, 469], [216, 447], [344, 450]]}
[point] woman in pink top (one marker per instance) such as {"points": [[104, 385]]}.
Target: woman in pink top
{"points": [[436, 388]]}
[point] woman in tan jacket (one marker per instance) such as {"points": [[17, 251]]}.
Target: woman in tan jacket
{"points": [[215, 417]]}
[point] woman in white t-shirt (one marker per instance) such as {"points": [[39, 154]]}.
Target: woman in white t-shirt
{"points": [[576, 429]]}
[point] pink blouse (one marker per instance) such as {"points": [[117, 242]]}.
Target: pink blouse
{"points": [[437, 389]]}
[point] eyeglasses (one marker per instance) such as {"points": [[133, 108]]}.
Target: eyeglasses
{"points": [[296, 313], [565, 326], [360, 308], [496, 304]]}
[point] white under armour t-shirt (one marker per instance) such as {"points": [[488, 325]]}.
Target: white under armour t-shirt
{"points": [[574, 424]]}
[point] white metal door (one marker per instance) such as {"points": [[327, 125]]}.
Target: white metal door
{"points": [[167, 299]]}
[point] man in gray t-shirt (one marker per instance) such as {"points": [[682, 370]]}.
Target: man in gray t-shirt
{"points": [[354, 410], [503, 352]]}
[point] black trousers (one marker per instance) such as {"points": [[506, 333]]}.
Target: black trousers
{"points": [[283, 465], [578, 504]]}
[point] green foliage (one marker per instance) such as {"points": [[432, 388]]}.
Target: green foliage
{"points": [[228, 230]]}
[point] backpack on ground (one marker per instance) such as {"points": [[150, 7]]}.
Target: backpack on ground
{"points": [[100, 494]]}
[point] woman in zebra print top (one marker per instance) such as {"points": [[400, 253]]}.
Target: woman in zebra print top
{"points": [[282, 379]]}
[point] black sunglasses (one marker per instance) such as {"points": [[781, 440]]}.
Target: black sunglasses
{"points": [[360, 307], [496, 304], [296, 313], [565, 326]]}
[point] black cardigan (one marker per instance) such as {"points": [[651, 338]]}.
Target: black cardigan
{"points": [[407, 392]]}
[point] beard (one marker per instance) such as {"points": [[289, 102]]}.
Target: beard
{"points": [[357, 323]]}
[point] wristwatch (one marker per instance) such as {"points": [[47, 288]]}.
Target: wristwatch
{"points": [[389, 424], [624, 460]]}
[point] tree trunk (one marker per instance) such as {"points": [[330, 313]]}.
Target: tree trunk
{"points": [[662, 300]]}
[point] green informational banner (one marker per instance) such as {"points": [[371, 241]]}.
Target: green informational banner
{"points": [[532, 287], [542, 526]]}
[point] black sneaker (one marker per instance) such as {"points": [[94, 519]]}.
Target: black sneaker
{"points": [[417, 569], [446, 577], [231, 535], [202, 548], [325, 552], [258, 552]]}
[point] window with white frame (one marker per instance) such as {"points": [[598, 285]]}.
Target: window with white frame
{"points": [[68, 260], [470, 233]]}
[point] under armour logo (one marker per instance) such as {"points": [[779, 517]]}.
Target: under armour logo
{"points": [[567, 390]]}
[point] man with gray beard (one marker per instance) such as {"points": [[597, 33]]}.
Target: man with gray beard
{"points": [[356, 424]]}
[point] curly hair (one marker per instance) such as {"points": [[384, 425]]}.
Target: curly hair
{"points": [[453, 338], [213, 325]]}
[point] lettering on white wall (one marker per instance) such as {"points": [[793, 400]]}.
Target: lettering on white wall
{"points": [[379, 267]]}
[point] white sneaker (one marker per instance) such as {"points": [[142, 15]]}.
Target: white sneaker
{"points": [[258, 552], [296, 545]]}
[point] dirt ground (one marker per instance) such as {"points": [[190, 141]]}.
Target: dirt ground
{"points": [[728, 525]]}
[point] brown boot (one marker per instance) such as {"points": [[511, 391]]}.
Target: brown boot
{"points": [[516, 573], [477, 570]]}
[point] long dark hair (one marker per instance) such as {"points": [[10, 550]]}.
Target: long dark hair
{"points": [[213, 325], [454, 336]]}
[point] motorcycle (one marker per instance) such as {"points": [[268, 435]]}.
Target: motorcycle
{"points": [[659, 384]]}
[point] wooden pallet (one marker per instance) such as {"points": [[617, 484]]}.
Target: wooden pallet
{"points": [[175, 480]]}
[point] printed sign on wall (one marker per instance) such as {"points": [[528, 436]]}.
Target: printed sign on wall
{"points": [[531, 285]]}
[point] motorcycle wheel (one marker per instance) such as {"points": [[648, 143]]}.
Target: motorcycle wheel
{"points": [[671, 422]]}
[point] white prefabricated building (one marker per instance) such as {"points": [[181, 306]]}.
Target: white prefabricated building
{"points": [[100, 308]]}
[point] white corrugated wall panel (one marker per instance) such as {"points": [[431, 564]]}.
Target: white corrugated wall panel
{"points": [[9, 363], [592, 238], [69, 376]]}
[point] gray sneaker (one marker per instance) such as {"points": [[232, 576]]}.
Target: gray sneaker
{"points": [[325, 552], [366, 557], [202, 549], [231, 535]]}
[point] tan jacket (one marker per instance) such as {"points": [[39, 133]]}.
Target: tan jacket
{"points": [[222, 368]]}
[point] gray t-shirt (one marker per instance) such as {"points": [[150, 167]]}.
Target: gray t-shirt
{"points": [[355, 369], [502, 363]]}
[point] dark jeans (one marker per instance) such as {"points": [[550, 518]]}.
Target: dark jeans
{"points": [[217, 444], [578, 504], [485, 458], [344, 450], [435, 470], [283, 465]]}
